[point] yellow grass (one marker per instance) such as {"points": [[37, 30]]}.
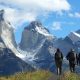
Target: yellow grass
{"points": [[37, 75]]}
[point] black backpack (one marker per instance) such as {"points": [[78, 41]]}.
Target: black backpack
{"points": [[72, 56], [58, 55]]}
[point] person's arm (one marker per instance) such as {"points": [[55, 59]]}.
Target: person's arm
{"points": [[55, 56], [67, 57], [61, 55]]}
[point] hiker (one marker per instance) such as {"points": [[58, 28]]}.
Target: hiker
{"points": [[71, 56], [79, 58], [58, 61]]}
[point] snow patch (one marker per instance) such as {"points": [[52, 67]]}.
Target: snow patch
{"points": [[30, 55], [7, 38], [74, 37], [78, 35], [42, 31]]}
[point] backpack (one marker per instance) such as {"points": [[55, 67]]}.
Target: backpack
{"points": [[58, 55], [72, 56]]}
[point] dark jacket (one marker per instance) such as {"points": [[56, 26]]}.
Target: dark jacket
{"points": [[58, 56], [71, 56]]}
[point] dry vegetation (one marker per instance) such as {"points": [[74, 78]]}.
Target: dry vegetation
{"points": [[41, 75]]}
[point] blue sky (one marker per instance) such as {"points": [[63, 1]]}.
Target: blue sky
{"points": [[59, 16]]}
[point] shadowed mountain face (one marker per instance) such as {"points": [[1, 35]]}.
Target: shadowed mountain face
{"points": [[1, 15], [10, 64]]}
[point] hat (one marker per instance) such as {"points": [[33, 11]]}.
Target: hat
{"points": [[72, 50]]}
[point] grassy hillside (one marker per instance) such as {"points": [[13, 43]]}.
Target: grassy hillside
{"points": [[38, 75], [41, 75], [70, 76]]}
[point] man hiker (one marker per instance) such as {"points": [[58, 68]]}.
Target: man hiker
{"points": [[78, 59], [58, 61], [71, 56]]}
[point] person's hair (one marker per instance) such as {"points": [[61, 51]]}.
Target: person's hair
{"points": [[58, 49]]}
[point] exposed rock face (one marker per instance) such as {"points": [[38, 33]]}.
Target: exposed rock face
{"points": [[36, 40], [70, 41], [1, 15], [33, 35], [30, 39]]}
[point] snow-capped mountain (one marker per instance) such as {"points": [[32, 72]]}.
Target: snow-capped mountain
{"points": [[78, 31], [64, 44], [6, 29], [10, 61], [74, 37], [38, 27], [36, 49], [39, 46], [7, 34], [34, 34], [36, 44], [70, 41]]}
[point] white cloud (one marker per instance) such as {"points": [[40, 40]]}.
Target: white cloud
{"points": [[48, 5], [71, 15], [28, 10], [16, 18], [56, 25], [75, 15]]}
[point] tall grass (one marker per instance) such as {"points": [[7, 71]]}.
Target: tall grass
{"points": [[70, 76], [37, 75], [42, 75]]}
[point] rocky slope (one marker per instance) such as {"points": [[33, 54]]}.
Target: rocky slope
{"points": [[36, 44], [9, 62]]}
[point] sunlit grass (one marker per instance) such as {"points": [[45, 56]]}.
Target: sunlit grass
{"points": [[37, 75], [41, 75], [70, 76]]}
